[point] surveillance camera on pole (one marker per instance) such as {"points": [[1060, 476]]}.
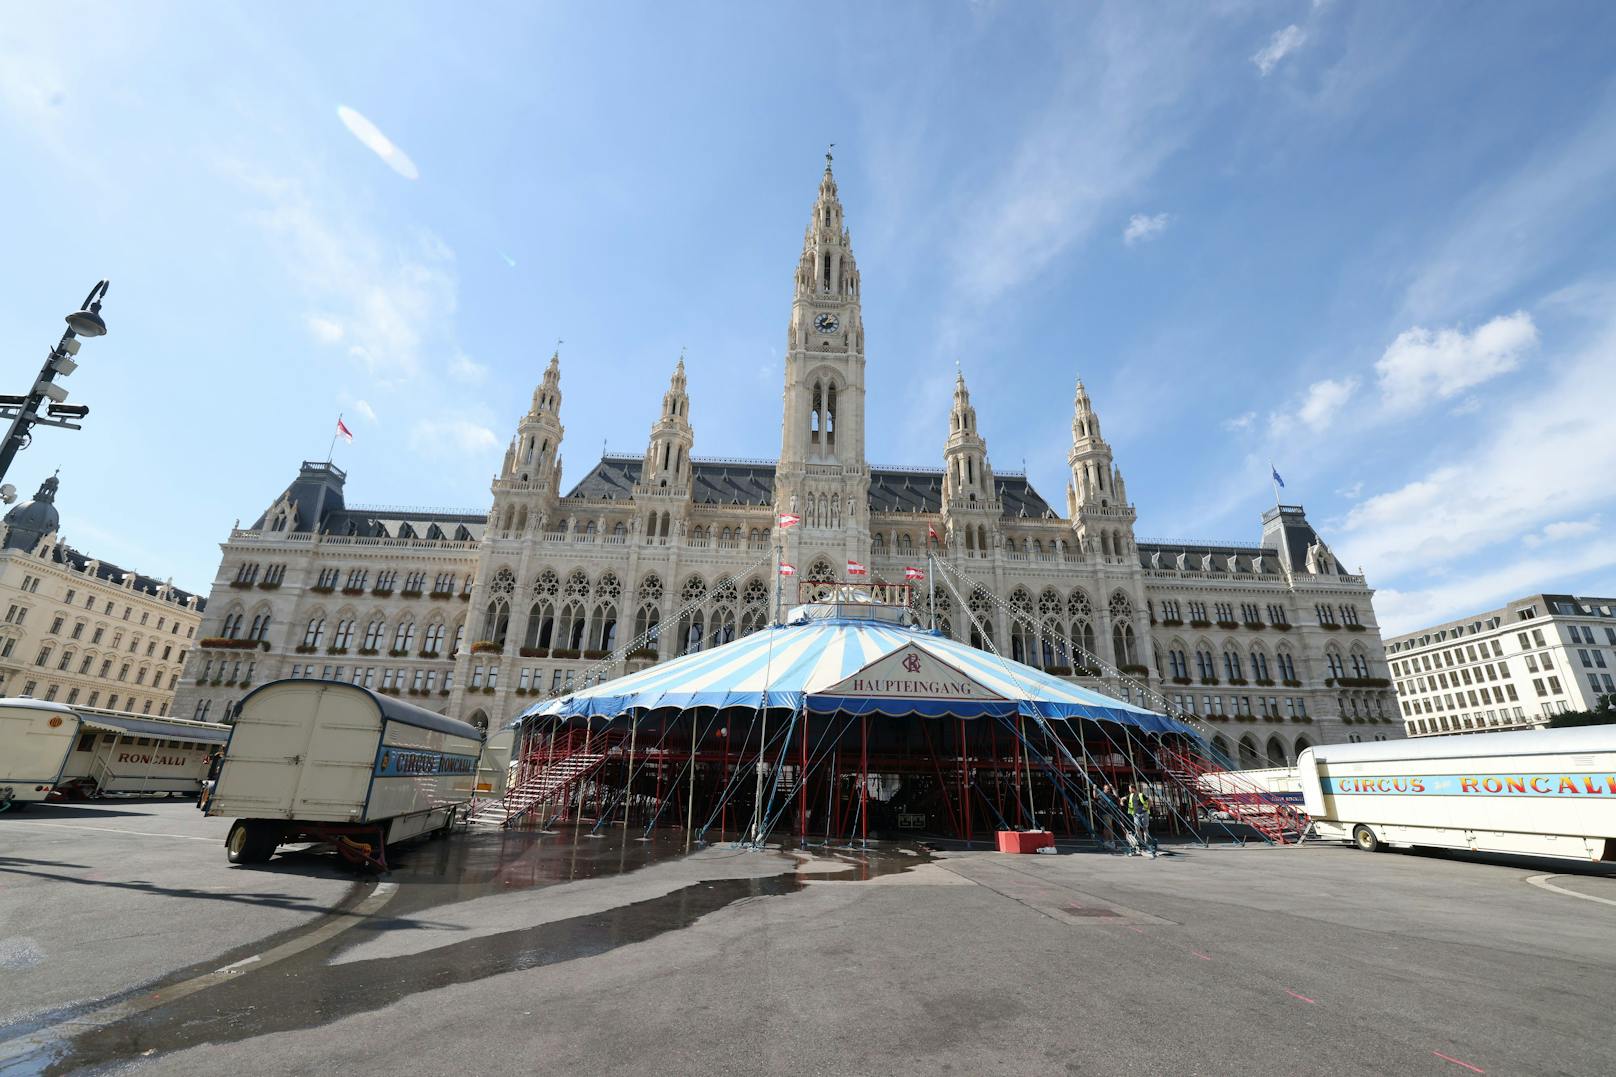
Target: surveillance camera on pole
{"points": [[23, 411]]}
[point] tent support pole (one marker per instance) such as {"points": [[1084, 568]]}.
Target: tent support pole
{"points": [[942, 783], [690, 796], [965, 781], [802, 782], [864, 779], [628, 777]]}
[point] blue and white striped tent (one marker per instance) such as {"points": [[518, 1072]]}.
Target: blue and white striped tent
{"points": [[853, 666]]}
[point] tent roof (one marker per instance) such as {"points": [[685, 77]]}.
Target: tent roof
{"points": [[813, 662]]}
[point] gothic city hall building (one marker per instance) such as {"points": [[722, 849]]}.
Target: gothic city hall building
{"points": [[1272, 643]]}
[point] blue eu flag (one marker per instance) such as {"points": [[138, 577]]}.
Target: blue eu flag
{"points": [[1277, 479]]}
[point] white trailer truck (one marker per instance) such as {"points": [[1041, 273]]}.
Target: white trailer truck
{"points": [[323, 761], [1534, 792], [49, 749]]}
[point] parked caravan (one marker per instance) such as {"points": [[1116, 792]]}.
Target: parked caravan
{"points": [[1534, 792], [326, 761], [52, 749]]}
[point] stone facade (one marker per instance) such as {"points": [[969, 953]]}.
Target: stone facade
{"points": [[1509, 668], [82, 631], [647, 557]]}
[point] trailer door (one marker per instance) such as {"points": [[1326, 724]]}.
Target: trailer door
{"points": [[344, 735]]}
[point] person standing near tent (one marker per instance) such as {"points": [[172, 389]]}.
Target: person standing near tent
{"points": [[1106, 801], [1138, 806]]}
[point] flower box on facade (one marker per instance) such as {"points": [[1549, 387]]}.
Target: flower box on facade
{"points": [[353, 590], [1362, 682], [407, 593], [595, 656], [241, 585], [1136, 671], [304, 648], [1198, 623], [225, 644], [1216, 717], [426, 654], [1357, 628], [369, 652], [1329, 627], [1181, 680], [1172, 622], [1291, 684], [444, 691], [1083, 671], [336, 650], [398, 652], [382, 591], [487, 690], [1240, 681], [642, 653], [533, 652], [1301, 718], [1255, 626], [269, 585], [486, 646], [201, 680], [465, 596], [1245, 717], [1281, 626], [1209, 680], [1228, 624], [563, 652], [1272, 718], [1264, 682], [217, 681], [317, 589]]}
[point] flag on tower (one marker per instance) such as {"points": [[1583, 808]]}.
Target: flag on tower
{"points": [[855, 569], [343, 432], [1277, 480], [912, 573], [787, 519], [787, 569]]}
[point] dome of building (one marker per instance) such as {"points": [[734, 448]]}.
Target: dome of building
{"points": [[33, 520]]}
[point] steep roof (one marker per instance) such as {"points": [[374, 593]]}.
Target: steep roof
{"points": [[751, 482]]}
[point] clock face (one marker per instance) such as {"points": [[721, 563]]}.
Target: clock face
{"points": [[827, 323]]}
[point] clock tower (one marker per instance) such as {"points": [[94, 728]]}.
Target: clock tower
{"points": [[822, 475]]}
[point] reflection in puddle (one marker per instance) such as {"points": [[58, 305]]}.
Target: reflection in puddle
{"points": [[307, 990]]}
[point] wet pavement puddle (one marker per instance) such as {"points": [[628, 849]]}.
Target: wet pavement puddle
{"points": [[307, 989]]}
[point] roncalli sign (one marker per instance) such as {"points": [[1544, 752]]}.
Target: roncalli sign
{"points": [[911, 673]]}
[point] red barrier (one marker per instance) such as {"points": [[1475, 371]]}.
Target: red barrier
{"points": [[1025, 841]]}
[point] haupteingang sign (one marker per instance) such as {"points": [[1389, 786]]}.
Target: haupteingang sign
{"points": [[911, 673]]}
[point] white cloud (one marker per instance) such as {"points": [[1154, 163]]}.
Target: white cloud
{"points": [[363, 407], [1141, 227], [1352, 492], [463, 368], [1317, 408], [1282, 44], [379, 144], [1241, 422], [324, 329], [1560, 531], [1400, 611], [1421, 364], [461, 436], [1529, 471]]}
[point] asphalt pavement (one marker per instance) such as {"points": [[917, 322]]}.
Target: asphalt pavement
{"points": [[562, 953]]}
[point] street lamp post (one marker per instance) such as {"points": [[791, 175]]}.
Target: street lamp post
{"points": [[23, 411]]}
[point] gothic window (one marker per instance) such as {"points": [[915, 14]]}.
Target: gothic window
{"points": [[695, 589], [1204, 665], [1259, 666], [1124, 644], [571, 627], [821, 572], [404, 636], [813, 418], [1078, 605], [315, 632], [830, 415], [577, 585], [1332, 660], [344, 633], [1178, 664], [646, 623], [432, 641], [232, 626], [497, 621], [605, 621], [905, 543], [1232, 666], [373, 634], [651, 588], [1360, 665], [540, 625]]}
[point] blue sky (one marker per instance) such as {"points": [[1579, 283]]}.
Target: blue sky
{"points": [[1370, 242]]}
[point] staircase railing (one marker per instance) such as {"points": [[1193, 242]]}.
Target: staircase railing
{"points": [[1241, 799]]}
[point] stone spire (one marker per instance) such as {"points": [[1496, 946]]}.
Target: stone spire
{"points": [[667, 457], [1096, 497]]}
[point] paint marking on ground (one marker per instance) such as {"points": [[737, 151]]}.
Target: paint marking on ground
{"points": [[1458, 1062], [111, 830], [1542, 883], [1136, 930], [1304, 998], [1200, 955], [334, 926]]}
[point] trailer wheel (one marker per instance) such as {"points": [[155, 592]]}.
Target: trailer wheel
{"points": [[251, 841], [1365, 839]]}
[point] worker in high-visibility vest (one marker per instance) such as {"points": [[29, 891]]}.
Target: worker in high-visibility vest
{"points": [[1137, 805]]}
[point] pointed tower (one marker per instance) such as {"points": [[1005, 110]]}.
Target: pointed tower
{"points": [[1096, 497], [970, 505], [667, 458], [822, 475], [662, 495], [529, 481]]}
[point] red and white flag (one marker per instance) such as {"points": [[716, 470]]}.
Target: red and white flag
{"points": [[786, 519], [855, 569], [931, 532], [787, 569], [912, 573], [343, 432]]}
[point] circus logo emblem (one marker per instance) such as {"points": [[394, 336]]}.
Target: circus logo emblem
{"points": [[911, 673]]}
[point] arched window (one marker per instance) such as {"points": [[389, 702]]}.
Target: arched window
{"points": [[1332, 661], [344, 633], [432, 641], [374, 631], [1232, 666], [315, 632], [1259, 666], [404, 636]]}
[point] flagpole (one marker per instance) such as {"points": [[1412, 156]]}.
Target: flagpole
{"points": [[331, 452], [1274, 481]]}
